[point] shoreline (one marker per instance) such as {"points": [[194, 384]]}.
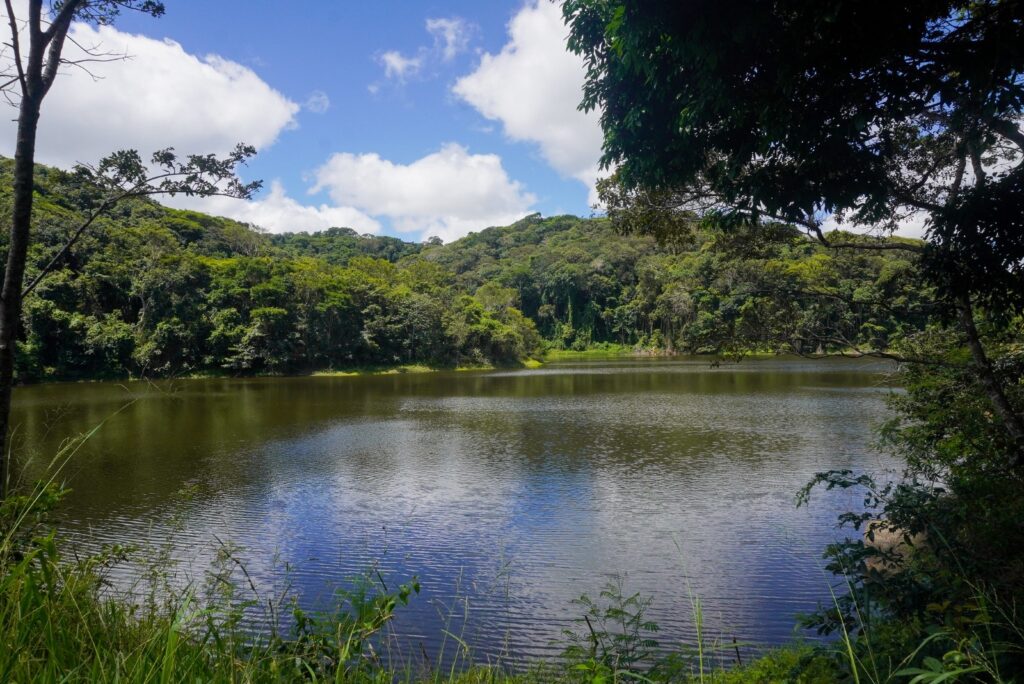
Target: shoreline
{"points": [[550, 356]]}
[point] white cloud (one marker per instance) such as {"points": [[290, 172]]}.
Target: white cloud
{"points": [[317, 102], [160, 96], [451, 35], [400, 67], [279, 213], [533, 87], [163, 96], [447, 193], [911, 226]]}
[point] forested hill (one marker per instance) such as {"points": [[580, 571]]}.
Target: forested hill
{"points": [[155, 291]]}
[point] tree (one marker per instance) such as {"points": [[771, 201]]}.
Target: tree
{"points": [[36, 57], [749, 114]]}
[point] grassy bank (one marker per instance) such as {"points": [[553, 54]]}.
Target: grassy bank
{"points": [[599, 351], [343, 372], [596, 352]]}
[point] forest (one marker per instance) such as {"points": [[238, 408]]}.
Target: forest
{"points": [[151, 291]]}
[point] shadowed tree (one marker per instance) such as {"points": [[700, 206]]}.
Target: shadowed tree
{"points": [[33, 59], [749, 114]]}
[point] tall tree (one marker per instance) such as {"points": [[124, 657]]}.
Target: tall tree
{"points": [[36, 56], [809, 112]]}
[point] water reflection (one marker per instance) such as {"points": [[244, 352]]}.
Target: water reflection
{"points": [[523, 489]]}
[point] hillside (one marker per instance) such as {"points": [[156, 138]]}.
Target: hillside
{"points": [[158, 291]]}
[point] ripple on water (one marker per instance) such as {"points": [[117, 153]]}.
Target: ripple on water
{"points": [[507, 493]]}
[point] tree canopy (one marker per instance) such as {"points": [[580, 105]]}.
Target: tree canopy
{"points": [[799, 111]]}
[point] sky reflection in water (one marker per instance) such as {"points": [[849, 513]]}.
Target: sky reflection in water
{"points": [[516, 491]]}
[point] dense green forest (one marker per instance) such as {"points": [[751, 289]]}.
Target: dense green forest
{"points": [[156, 291]]}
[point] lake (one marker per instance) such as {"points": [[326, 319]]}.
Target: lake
{"points": [[508, 493]]}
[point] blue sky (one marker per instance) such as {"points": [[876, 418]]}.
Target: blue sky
{"points": [[407, 118]]}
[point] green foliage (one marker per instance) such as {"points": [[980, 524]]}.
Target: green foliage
{"points": [[613, 633], [747, 111], [156, 291], [936, 576], [586, 285], [794, 665]]}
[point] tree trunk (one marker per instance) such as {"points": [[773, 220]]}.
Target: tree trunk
{"points": [[10, 297], [1012, 421]]}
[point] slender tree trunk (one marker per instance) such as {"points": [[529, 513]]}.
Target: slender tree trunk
{"points": [[10, 298], [1012, 421]]}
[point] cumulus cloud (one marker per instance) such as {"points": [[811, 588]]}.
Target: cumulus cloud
{"points": [[279, 213], [398, 66], [160, 96], [533, 87], [447, 193], [317, 102], [451, 35]]}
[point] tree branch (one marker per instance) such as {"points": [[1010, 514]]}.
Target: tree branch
{"points": [[976, 165], [924, 205], [1009, 131], [16, 46], [849, 301], [59, 30], [1012, 421], [106, 204], [124, 176], [958, 178], [64, 17], [851, 351], [35, 34]]}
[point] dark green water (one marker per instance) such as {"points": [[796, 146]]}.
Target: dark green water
{"points": [[507, 493]]}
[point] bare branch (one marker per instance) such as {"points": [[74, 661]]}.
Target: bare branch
{"points": [[35, 34], [849, 301], [106, 204], [80, 64], [16, 46], [918, 203]]}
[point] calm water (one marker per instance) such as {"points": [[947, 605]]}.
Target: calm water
{"points": [[507, 493]]}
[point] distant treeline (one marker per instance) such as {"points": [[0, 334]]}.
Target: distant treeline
{"points": [[157, 291]]}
